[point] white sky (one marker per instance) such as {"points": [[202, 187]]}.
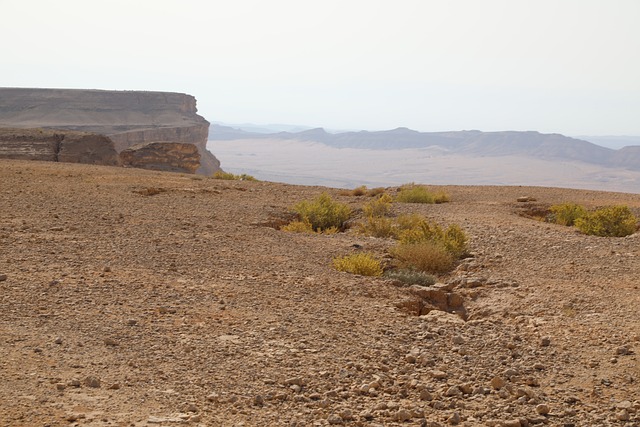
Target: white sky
{"points": [[566, 66]]}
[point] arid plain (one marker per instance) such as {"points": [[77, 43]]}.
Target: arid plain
{"points": [[139, 298]]}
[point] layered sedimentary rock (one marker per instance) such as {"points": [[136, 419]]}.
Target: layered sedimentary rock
{"points": [[57, 146], [165, 156], [162, 121]]}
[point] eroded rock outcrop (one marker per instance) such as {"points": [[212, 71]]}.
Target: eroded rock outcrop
{"points": [[126, 118], [164, 156], [57, 146]]}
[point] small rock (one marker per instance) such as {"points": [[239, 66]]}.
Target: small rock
{"points": [[545, 342], [60, 386], [453, 391], [115, 386], [110, 342], [454, 419], [73, 383], [623, 415], [498, 382], [512, 423], [334, 419], [623, 350], [439, 375], [542, 409], [132, 322], [58, 340], [213, 397], [294, 381], [3, 277], [92, 382], [346, 415], [258, 400], [425, 395], [403, 415], [457, 340], [106, 269]]}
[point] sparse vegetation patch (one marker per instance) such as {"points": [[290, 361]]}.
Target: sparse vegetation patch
{"points": [[426, 256], [410, 276], [228, 176], [324, 214], [566, 213], [411, 193], [362, 263], [611, 221]]}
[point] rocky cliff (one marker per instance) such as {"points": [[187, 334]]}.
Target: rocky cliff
{"points": [[131, 120], [57, 146]]}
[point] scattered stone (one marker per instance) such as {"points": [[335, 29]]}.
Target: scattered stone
{"points": [[114, 386], [334, 419], [132, 322], [346, 415], [511, 423], [58, 340], [457, 340], [60, 386], [3, 277], [543, 409], [92, 382], [454, 418], [425, 395], [545, 342], [258, 400], [403, 415], [110, 342], [294, 381], [439, 375], [623, 415], [213, 397], [623, 350], [498, 382], [453, 391], [74, 383]]}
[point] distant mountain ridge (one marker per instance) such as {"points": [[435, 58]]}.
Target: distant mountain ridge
{"points": [[472, 143]]}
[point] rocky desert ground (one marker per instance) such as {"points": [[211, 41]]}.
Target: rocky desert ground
{"points": [[140, 298]]}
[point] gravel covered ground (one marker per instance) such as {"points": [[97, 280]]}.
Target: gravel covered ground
{"points": [[136, 298]]}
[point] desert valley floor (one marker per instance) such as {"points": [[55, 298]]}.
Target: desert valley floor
{"points": [[138, 298]]}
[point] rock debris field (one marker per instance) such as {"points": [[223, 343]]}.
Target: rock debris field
{"points": [[139, 298]]}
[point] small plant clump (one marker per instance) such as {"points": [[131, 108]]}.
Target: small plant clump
{"points": [[378, 207], [323, 214], [362, 263], [425, 256], [611, 221], [566, 213], [412, 193], [410, 276], [228, 176]]}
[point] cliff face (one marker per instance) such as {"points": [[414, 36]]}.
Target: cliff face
{"points": [[57, 146], [127, 118], [165, 156]]}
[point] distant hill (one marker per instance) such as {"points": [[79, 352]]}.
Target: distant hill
{"points": [[472, 143]]}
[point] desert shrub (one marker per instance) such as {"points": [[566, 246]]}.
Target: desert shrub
{"points": [[378, 207], [360, 191], [375, 192], [364, 264], [566, 213], [418, 194], [417, 229], [228, 176], [378, 227], [323, 213], [611, 221], [410, 276], [425, 256]]}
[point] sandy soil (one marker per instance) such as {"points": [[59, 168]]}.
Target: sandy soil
{"points": [[138, 298]]}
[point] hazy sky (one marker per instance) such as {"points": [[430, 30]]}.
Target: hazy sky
{"points": [[567, 66]]}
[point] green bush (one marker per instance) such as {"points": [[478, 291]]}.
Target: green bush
{"points": [[228, 176], [410, 277], [298, 227], [378, 227], [566, 213], [426, 256], [611, 221], [418, 194], [378, 207], [417, 229], [323, 213], [362, 263]]}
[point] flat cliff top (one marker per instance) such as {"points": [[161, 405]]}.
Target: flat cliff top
{"points": [[133, 297], [100, 111]]}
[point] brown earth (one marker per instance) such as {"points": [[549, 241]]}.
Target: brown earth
{"points": [[135, 298]]}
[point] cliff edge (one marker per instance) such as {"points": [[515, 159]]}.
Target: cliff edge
{"points": [[162, 124]]}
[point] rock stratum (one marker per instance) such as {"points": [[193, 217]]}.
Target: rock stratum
{"points": [[151, 130]]}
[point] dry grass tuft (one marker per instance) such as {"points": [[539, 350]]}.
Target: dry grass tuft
{"points": [[364, 264]]}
